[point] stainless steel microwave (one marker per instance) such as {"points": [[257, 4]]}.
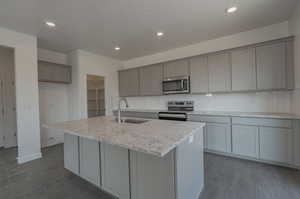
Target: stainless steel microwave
{"points": [[176, 85]]}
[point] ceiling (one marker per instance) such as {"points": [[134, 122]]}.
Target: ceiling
{"points": [[100, 25]]}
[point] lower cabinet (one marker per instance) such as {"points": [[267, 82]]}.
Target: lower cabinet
{"points": [[71, 153], [89, 160], [245, 140], [275, 144], [152, 177], [218, 137], [115, 170]]}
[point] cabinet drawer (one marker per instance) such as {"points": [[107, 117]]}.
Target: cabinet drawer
{"points": [[281, 123], [210, 119]]}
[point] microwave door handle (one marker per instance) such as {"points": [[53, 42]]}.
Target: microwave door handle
{"points": [[182, 84]]}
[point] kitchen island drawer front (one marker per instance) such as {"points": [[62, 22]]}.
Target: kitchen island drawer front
{"points": [[211, 119], [280, 123]]}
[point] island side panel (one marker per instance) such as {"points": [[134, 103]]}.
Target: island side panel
{"points": [[151, 176], [115, 170], [71, 153], [190, 167]]}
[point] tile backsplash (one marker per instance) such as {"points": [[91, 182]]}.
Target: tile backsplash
{"points": [[276, 101]]}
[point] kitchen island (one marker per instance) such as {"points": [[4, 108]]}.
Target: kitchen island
{"points": [[139, 159]]}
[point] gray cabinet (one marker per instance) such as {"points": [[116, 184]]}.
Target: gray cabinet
{"points": [[243, 69], [218, 137], [219, 72], [90, 160], [275, 144], [129, 82], [151, 176], [245, 140], [71, 153], [271, 66], [115, 170], [55, 73], [176, 68], [151, 80], [199, 74]]}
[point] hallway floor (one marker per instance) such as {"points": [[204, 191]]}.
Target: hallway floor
{"points": [[226, 178]]}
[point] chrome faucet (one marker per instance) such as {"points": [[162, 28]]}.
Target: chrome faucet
{"points": [[121, 99]]}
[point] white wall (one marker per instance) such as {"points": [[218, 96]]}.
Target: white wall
{"points": [[295, 30], [28, 125], [240, 39], [88, 63], [53, 101], [252, 102]]}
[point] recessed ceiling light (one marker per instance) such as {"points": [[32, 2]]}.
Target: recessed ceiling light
{"points": [[231, 9], [159, 34], [117, 48], [208, 95], [50, 24]]}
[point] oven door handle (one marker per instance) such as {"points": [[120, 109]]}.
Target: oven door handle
{"points": [[165, 115]]}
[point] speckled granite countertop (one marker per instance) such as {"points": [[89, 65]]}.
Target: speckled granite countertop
{"points": [[156, 137], [229, 113]]}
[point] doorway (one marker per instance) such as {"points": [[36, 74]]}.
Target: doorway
{"points": [[8, 123], [95, 96]]}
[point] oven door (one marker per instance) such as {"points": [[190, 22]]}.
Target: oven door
{"points": [[176, 85]]}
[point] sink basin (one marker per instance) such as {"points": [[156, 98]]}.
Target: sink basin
{"points": [[132, 121]]}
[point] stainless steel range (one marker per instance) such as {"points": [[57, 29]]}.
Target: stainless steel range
{"points": [[177, 110]]}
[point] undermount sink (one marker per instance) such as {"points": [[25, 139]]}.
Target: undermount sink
{"points": [[132, 121]]}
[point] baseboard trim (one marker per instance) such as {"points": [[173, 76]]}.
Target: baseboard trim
{"points": [[28, 158], [252, 159]]}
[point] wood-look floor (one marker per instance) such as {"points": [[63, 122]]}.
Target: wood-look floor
{"points": [[226, 178]]}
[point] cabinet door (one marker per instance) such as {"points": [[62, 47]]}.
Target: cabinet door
{"points": [[151, 79], [275, 144], [245, 140], [151, 176], [219, 72], [115, 170], [129, 82], [90, 160], [199, 74], [177, 68], [218, 137], [243, 70], [71, 153], [62, 74], [46, 71], [271, 66]]}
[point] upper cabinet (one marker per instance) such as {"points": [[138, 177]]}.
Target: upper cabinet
{"points": [[271, 66], [199, 74], [55, 73], [258, 67], [219, 72], [243, 69], [151, 79], [176, 68], [129, 82]]}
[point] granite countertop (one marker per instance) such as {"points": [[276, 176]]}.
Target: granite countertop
{"points": [[156, 137], [229, 113]]}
